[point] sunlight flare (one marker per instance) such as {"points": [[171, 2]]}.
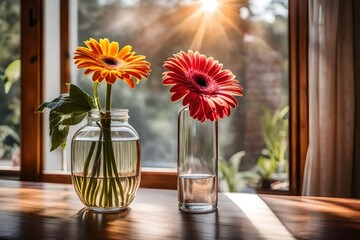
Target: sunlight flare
{"points": [[209, 6]]}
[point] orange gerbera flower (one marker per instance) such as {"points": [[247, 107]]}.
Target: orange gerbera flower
{"points": [[105, 61], [202, 84]]}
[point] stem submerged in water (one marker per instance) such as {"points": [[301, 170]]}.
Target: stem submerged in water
{"points": [[108, 196]]}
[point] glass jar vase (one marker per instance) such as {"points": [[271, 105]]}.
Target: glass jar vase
{"points": [[105, 161], [197, 164]]}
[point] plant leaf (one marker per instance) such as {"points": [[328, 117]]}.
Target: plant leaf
{"points": [[59, 136], [72, 119], [79, 96], [11, 75], [76, 101], [50, 105], [235, 159], [59, 127], [66, 110]]}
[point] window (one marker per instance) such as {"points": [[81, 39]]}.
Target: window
{"points": [[10, 85], [169, 29]]}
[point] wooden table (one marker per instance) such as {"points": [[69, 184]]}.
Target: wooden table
{"points": [[53, 211]]}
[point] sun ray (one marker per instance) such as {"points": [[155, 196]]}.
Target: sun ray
{"points": [[199, 35], [229, 22], [185, 23], [196, 23]]}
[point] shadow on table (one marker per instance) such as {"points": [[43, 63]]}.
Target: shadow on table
{"points": [[227, 222]]}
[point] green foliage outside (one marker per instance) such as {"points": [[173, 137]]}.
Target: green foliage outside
{"points": [[229, 171], [9, 138], [272, 165], [275, 134], [9, 74]]}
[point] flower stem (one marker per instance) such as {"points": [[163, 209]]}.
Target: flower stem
{"points": [[108, 97], [96, 95], [109, 186]]}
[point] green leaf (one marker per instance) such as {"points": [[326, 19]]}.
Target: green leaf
{"points": [[59, 127], [235, 159], [76, 101], [72, 119], [54, 120], [49, 105], [266, 167], [11, 75], [66, 110], [63, 104], [59, 136], [79, 96], [229, 170], [67, 106]]}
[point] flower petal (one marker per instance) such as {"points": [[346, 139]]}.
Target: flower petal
{"points": [[124, 51], [114, 48], [179, 88], [129, 82], [177, 96]]}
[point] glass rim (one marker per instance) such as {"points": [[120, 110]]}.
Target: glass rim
{"points": [[113, 113]]}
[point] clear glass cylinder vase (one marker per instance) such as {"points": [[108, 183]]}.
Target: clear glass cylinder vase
{"points": [[105, 161], [197, 164]]}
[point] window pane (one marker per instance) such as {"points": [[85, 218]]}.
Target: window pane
{"points": [[9, 84], [54, 159], [249, 37]]}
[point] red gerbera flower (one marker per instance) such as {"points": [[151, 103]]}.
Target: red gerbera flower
{"points": [[202, 84]]}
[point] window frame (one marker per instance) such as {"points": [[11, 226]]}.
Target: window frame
{"points": [[32, 92], [299, 110], [31, 89]]}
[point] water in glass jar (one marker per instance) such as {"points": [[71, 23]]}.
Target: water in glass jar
{"points": [[197, 192], [106, 177], [120, 191]]}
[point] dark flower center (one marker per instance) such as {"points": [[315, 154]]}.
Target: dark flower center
{"points": [[201, 80], [110, 61]]}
